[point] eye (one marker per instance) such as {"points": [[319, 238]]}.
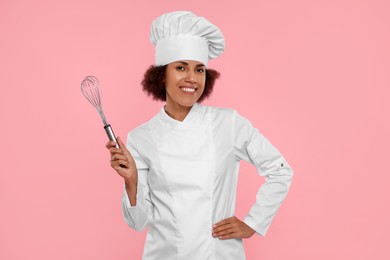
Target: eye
{"points": [[180, 68], [200, 70]]}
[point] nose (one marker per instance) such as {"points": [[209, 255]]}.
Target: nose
{"points": [[191, 77]]}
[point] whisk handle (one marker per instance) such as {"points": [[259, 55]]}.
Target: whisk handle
{"points": [[111, 134]]}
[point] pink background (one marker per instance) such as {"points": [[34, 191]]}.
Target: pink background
{"points": [[313, 76]]}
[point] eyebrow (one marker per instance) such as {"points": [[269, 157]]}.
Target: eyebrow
{"points": [[185, 63]]}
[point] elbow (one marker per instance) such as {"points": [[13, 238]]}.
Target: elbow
{"points": [[288, 176], [286, 171], [283, 177]]}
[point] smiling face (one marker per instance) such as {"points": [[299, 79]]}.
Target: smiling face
{"points": [[184, 84]]}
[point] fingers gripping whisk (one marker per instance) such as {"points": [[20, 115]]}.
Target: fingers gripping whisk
{"points": [[90, 88]]}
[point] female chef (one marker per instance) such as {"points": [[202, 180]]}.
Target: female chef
{"points": [[180, 169]]}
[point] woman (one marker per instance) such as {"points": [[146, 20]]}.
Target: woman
{"points": [[180, 168]]}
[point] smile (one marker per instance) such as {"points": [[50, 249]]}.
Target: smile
{"points": [[188, 90]]}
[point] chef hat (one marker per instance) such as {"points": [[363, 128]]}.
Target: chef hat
{"points": [[182, 35]]}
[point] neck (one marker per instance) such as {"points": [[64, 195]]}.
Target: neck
{"points": [[177, 111]]}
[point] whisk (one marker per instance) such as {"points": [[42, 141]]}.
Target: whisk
{"points": [[90, 87]]}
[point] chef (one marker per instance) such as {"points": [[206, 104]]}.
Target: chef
{"points": [[180, 168]]}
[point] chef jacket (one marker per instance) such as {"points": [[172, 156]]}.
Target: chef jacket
{"points": [[187, 179]]}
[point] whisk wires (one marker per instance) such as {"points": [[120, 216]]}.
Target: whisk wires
{"points": [[90, 88]]}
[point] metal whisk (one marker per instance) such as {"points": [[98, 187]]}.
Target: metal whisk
{"points": [[90, 87]]}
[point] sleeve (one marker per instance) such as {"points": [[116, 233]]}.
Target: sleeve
{"points": [[138, 216], [250, 145]]}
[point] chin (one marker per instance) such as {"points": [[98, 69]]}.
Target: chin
{"points": [[187, 104]]}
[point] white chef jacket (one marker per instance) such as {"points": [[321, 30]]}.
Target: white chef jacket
{"points": [[187, 178]]}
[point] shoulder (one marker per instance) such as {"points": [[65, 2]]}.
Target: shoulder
{"points": [[225, 116], [218, 113], [141, 131]]}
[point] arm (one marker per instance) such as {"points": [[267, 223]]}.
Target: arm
{"points": [[252, 146], [137, 215], [136, 204]]}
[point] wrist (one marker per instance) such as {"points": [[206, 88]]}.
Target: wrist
{"points": [[131, 178], [130, 182], [131, 190]]}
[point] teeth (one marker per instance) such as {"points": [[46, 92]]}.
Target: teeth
{"points": [[189, 89]]}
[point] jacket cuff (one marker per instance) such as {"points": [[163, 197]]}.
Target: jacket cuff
{"points": [[259, 230]]}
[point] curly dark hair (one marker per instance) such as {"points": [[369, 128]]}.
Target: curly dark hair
{"points": [[153, 82]]}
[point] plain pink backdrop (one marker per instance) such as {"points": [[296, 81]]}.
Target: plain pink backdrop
{"points": [[313, 76]]}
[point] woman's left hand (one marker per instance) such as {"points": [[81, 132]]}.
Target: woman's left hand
{"points": [[232, 228]]}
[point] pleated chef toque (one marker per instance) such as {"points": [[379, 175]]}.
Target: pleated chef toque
{"points": [[182, 35]]}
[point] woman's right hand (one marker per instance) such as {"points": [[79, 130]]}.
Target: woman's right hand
{"points": [[122, 161]]}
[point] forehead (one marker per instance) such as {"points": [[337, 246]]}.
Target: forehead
{"points": [[189, 63]]}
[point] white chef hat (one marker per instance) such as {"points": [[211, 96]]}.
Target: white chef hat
{"points": [[182, 35]]}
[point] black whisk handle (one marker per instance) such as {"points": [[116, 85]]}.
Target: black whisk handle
{"points": [[111, 134]]}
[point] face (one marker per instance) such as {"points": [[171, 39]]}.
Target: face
{"points": [[184, 83]]}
